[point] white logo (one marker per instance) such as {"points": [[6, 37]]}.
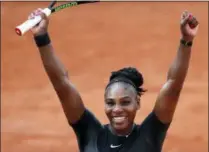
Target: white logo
{"points": [[114, 146]]}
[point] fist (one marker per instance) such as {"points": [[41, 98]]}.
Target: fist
{"points": [[41, 27], [189, 26], [192, 21]]}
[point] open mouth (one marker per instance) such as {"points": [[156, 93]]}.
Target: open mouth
{"points": [[119, 119]]}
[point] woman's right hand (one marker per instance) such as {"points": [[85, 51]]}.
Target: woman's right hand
{"points": [[42, 27]]}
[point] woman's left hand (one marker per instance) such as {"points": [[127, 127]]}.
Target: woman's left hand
{"points": [[189, 26]]}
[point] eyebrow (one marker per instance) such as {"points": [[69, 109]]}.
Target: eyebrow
{"points": [[125, 97]]}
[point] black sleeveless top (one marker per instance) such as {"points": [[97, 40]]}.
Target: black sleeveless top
{"points": [[92, 136]]}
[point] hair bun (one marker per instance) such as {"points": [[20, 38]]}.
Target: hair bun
{"points": [[131, 74]]}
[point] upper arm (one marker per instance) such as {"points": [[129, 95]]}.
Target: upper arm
{"points": [[167, 100], [68, 95], [70, 99], [154, 131], [84, 123], [86, 129]]}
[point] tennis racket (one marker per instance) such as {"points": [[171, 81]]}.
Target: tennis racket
{"points": [[30, 23]]}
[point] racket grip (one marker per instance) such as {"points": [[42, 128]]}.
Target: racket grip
{"points": [[30, 23]]}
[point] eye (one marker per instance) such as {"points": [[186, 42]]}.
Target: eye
{"points": [[125, 103], [110, 103]]}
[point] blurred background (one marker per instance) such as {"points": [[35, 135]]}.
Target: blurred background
{"points": [[92, 40]]}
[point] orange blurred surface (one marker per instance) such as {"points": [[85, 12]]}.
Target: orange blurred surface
{"points": [[92, 40]]}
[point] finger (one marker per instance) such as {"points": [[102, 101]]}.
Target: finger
{"points": [[184, 14], [186, 19], [193, 22], [43, 15], [32, 15], [38, 11]]}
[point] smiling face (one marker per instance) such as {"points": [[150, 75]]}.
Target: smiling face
{"points": [[121, 105]]}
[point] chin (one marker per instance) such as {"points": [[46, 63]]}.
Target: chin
{"points": [[120, 128]]}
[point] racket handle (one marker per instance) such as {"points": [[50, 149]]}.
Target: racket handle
{"points": [[30, 23]]}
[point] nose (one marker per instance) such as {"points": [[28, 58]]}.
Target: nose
{"points": [[117, 109]]}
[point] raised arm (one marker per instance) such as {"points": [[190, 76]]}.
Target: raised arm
{"points": [[69, 97], [169, 94]]}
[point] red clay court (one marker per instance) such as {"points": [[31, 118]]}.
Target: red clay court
{"points": [[92, 40]]}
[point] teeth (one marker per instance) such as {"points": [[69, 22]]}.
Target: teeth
{"points": [[118, 119]]}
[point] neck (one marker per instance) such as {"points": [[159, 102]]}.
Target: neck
{"points": [[124, 132]]}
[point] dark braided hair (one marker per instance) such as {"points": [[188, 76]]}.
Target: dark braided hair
{"points": [[128, 75]]}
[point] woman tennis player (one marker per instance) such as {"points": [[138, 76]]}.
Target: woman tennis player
{"points": [[121, 97]]}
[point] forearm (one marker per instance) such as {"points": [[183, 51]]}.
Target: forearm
{"points": [[53, 66], [179, 67], [70, 98], [169, 94]]}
